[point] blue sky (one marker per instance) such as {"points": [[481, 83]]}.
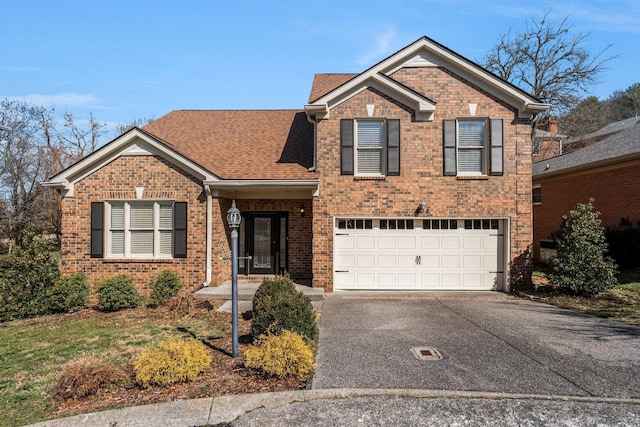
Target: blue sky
{"points": [[122, 60]]}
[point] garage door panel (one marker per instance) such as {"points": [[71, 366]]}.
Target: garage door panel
{"points": [[345, 242], [430, 242], [407, 280], [345, 261], [387, 242], [451, 261], [406, 261], [472, 242], [450, 242], [366, 261], [430, 261], [407, 242], [472, 261], [365, 242], [387, 261], [442, 257]]}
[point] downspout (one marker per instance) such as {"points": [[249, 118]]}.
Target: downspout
{"points": [[315, 141], [207, 282]]}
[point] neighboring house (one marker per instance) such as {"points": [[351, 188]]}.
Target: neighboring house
{"points": [[547, 144], [414, 174], [607, 170]]}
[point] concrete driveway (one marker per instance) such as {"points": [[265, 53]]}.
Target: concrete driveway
{"points": [[490, 342]]}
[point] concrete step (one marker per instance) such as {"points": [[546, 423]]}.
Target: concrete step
{"points": [[247, 289]]}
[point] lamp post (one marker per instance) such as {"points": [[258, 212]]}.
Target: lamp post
{"points": [[233, 219]]}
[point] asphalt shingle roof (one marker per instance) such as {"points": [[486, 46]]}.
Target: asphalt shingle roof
{"points": [[325, 83], [620, 145], [241, 144]]}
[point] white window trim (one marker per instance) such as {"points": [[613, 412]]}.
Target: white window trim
{"points": [[383, 162], [127, 230], [485, 146]]}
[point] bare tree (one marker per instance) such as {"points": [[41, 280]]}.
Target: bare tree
{"points": [[588, 116], [124, 127], [22, 166], [37, 148], [548, 60]]}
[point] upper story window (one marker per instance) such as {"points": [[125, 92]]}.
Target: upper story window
{"points": [[536, 195], [370, 147], [473, 147], [472, 137]]}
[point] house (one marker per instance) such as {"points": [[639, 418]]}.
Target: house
{"points": [[606, 169], [414, 174]]}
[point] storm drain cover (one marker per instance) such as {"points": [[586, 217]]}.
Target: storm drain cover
{"points": [[426, 353]]}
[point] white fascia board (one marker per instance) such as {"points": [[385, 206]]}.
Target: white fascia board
{"points": [[141, 143], [527, 105], [432, 54], [423, 107]]}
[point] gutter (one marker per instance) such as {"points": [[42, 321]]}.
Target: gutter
{"points": [[207, 282], [314, 122]]}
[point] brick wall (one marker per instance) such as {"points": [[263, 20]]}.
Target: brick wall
{"points": [[615, 192], [118, 180], [421, 178]]}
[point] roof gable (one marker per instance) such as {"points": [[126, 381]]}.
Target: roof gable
{"points": [[425, 53], [134, 142]]}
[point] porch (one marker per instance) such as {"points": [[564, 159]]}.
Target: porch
{"points": [[247, 289]]}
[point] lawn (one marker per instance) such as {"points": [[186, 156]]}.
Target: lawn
{"points": [[622, 303], [34, 351]]}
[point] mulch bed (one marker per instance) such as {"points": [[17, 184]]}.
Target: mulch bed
{"points": [[225, 376]]}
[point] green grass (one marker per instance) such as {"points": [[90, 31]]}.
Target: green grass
{"points": [[34, 351], [622, 303]]}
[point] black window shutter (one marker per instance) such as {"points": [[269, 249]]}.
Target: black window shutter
{"points": [[180, 230], [449, 148], [97, 230], [497, 147], [393, 147], [346, 147]]}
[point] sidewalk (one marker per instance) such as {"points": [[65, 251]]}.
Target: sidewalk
{"points": [[351, 407]]}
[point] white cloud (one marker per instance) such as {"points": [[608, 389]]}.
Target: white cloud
{"points": [[69, 99], [382, 44]]}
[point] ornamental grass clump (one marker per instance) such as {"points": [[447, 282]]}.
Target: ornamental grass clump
{"points": [[171, 361], [86, 376], [281, 355]]}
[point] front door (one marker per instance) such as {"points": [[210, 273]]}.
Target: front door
{"points": [[266, 243]]}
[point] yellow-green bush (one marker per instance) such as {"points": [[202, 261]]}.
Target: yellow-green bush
{"points": [[280, 355], [171, 361]]}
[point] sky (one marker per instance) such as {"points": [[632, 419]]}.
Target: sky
{"points": [[121, 60]]}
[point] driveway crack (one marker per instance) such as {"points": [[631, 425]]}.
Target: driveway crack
{"points": [[515, 348]]}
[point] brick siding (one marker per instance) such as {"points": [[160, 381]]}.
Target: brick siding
{"points": [[421, 177], [615, 192]]}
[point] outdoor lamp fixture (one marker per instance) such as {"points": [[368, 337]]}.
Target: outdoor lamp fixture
{"points": [[422, 208], [301, 210], [233, 219]]}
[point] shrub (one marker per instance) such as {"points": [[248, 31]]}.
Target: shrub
{"points": [[164, 287], [86, 376], [28, 272], [277, 306], [171, 361], [69, 294], [280, 355], [581, 266], [117, 293], [624, 244]]}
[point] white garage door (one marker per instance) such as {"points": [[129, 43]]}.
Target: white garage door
{"points": [[418, 254]]}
